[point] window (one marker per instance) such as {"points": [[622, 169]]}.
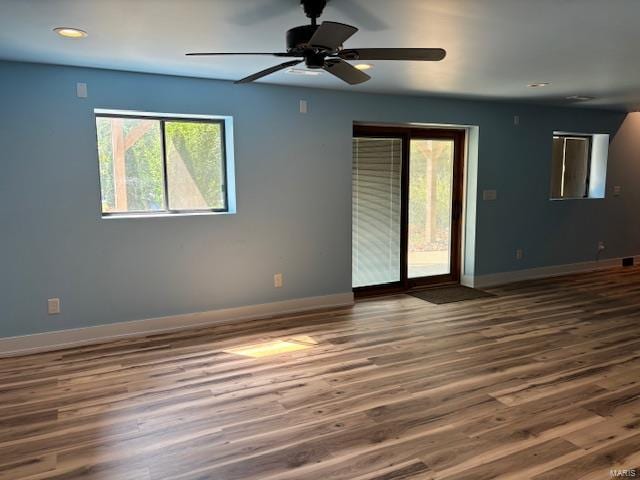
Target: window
{"points": [[161, 165], [579, 165], [570, 166]]}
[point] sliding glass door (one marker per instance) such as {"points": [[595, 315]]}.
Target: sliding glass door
{"points": [[430, 205], [407, 193]]}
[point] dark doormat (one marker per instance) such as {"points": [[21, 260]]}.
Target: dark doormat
{"points": [[455, 293]]}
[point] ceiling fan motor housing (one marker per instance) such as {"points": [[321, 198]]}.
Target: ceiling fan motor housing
{"points": [[315, 60], [298, 37]]}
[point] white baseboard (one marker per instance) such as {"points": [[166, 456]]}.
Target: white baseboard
{"points": [[55, 340], [495, 279]]}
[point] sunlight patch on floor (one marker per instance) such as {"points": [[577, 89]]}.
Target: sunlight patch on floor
{"points": [[273, 347]]}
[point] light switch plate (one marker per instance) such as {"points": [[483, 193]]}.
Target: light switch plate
{"points": [[303, 106], [489, 195], [53, 306], [81, 90]]}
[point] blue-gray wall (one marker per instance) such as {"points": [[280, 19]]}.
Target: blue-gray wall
{"points": [[293, 177]]}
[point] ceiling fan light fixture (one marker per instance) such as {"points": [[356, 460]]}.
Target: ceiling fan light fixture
{"points": [[539, 84], [303, 71], [69, 32], [363, 66]]}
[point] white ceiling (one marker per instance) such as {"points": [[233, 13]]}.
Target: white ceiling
{"points": [[495, 47]]}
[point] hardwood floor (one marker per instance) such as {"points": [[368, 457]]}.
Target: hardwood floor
{"points": [[540, 382]]}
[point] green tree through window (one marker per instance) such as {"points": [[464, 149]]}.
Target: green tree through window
{"points": [[135, 154]]}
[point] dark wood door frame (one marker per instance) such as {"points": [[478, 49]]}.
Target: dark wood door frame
{"points": [[406, 134]]}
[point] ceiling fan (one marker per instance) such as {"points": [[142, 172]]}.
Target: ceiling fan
{"points": [[320, 47]]}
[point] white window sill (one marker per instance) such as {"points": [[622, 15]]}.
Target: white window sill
{"points": [[117, 216], [575, 198]]}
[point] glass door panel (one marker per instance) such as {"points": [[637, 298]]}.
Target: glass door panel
{"points": [[376, 204], [431, 164]]}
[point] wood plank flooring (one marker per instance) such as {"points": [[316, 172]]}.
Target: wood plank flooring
{"points": [[541, 382]]}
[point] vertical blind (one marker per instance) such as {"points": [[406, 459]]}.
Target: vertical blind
{"points": [[377, 167]]}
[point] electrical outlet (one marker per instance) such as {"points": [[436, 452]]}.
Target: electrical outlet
{"points": [[489, 195], [519, 254], [277, 280], [617, 190], [53, 306], [303, 106], [601, 245], [516, 119]]}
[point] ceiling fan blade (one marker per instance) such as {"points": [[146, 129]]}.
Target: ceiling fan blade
{"points": [[268, 71], [210, 54], [420, 54], [332, 35], [345, 71]]}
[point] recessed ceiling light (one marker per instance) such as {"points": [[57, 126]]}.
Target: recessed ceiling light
{"points": [[303, 71], [363, 66], [538, 84], [70, 32], [580, 98]]}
